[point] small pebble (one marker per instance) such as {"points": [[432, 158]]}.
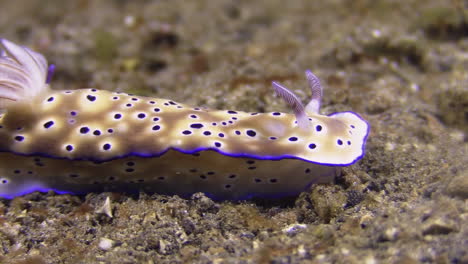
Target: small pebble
{"points": [[106, 244]]}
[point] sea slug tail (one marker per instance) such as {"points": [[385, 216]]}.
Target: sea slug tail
{"points": [[23, 73]]}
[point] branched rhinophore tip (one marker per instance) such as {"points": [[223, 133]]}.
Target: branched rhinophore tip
{"points": [[312, 108], [295, 104], [23, 73]]}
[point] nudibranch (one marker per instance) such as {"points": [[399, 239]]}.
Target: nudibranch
{"points": [[89, 140]]}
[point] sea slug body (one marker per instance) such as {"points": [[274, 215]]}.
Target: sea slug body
{"points": [[87, 140]]}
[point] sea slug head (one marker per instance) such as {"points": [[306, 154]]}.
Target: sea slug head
{"points": [[337, 139], [23, 73]]}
